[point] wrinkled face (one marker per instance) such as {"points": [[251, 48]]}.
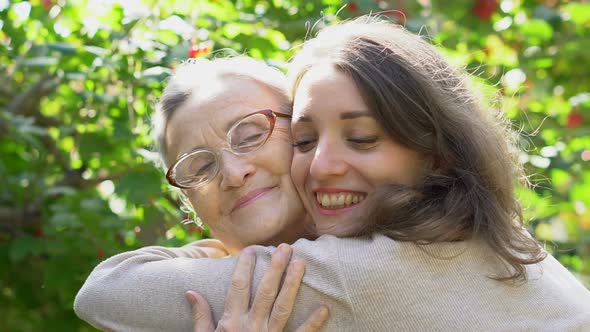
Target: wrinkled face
{"points": [[342, 154], [252, 200]]}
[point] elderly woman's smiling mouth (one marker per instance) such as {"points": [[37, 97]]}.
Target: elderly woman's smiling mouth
{"points": [[251, 197]]}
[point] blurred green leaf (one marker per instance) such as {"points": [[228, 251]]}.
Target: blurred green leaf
{"points": [[536, 31], [23, 247], [141, 185], [39, 62], [578, 12]]}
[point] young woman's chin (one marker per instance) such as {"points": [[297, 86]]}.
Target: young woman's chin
{"points": [[338, 221]]}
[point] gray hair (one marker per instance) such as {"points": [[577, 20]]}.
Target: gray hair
{"points": [[196, 74]]}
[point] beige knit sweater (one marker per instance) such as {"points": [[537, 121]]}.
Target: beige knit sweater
{"points": [[370, 284]]}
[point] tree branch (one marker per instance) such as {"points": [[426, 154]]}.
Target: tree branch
{"points": [[27, 102]]}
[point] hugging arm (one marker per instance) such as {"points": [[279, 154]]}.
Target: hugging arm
{"points": [[144, 290]]}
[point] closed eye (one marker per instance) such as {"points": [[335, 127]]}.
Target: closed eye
{"points": [[364, 143], [367, 140], [252, 139], [205, 168], [304, 145]]}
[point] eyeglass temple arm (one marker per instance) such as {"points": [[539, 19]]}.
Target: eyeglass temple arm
{"points": [[282, 115]]}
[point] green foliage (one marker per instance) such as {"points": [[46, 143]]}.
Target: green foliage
{"points": [[79, 78]]}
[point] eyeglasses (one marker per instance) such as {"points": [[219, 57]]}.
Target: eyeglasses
{"points": [[197, 168]]}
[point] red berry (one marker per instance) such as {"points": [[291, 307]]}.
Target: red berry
{"points": [[485, 8], [47, 4], [574, 120], [100, 254], [194, 51], [353, 7], [39, 233]]}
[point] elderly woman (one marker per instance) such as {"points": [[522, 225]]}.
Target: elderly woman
{"points": [[392, 149], [231, 117], [225, 139]]}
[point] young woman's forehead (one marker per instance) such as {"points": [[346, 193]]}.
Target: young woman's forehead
{"points": [[324, 89]]}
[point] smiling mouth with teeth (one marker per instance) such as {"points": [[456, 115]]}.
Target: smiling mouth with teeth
{"points": [[338, 200]]}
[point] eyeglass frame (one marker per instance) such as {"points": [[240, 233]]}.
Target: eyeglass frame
{"points": [[270, 115]]}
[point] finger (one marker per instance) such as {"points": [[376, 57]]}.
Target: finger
{"points": [[281, 310], [269, 284], [238, 295], [201, 312], [315, 321]]}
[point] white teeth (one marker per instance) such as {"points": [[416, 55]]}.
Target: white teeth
{"points": [[338, 200], [333, 200], [325, 200]]}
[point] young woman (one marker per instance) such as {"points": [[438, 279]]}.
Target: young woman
{"points": [[395, 156]]}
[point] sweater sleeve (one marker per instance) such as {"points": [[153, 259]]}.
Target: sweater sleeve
{"points": [[143, 290]]}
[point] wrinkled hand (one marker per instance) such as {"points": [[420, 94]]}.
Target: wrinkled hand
{"points": [[271, 307]]}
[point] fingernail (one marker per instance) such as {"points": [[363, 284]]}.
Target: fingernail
{"points": [[284, 248], [324, 311], [191, 298], [248, 251]]}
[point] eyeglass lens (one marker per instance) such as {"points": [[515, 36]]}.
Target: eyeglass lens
{"points": [[196, 169], [249, 134], [245, 136]]}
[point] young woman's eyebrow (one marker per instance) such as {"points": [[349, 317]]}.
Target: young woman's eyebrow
{"points": [[343, 116], [355, 114]]}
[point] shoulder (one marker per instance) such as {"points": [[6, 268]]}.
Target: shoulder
{"points": [[331, 254], [558, 283], [335, 243]]}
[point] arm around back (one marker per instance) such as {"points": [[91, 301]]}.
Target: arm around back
{"points": [[143, 290]]}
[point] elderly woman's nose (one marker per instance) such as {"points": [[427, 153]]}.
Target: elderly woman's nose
{"points": [[327, 162], [235, 170]]}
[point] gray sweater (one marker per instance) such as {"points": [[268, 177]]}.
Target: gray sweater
{"points": [[370, 284]]}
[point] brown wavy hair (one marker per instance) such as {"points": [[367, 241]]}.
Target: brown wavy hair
{"points": [[425, 104]]}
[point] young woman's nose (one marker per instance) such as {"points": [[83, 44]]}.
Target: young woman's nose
{"points": [[327, 162], [235, 170]]}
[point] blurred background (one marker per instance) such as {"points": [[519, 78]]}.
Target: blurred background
{"points": [[79, 80]]}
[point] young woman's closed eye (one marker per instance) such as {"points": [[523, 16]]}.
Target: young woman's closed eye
{"points": [[363, 142], [356, 141], [304, 144]]}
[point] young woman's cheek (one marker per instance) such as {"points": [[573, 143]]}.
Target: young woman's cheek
{"points": [[390, 165]]}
